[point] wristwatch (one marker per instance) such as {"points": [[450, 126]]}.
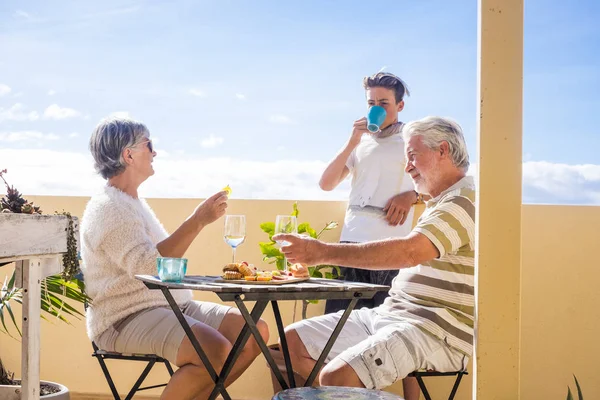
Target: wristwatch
{"points": [[419, 198]]}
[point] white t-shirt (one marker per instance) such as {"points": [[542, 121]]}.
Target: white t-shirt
{"points": [[377, 168]]}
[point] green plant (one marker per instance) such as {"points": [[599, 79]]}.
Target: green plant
{"points": [[579, 393], [273, 255], [57, 290]]}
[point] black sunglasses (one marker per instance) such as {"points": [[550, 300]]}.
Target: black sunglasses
{"points": [[149, 145]]}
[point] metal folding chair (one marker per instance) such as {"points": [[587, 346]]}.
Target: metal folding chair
{"points": [[150, 359], [420, 374]]}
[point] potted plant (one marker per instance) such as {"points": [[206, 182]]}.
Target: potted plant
{"points": [[272, 255], [58, 294]]}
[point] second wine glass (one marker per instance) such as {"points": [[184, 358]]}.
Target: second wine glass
{"points": [[285, 224], [235, 231]]}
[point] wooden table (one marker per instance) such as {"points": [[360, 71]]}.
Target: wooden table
{"points": [[35, 243], [262, 295]]}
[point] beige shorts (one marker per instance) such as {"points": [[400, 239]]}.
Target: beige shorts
{"points": [[381, 349], [157, 330]]}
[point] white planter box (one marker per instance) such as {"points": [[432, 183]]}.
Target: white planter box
{"points": [[33, 235], [36, 243]]}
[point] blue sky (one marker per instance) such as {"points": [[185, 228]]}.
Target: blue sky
{"points": [[261, 94]]}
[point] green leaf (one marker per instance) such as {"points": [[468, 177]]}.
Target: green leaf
{"points": [[305, 228], [11, 282], [579, 393], [268, 227], [296, 212], [317, 274], [569, 395], [12, 317], [269, 249], [5, 330]]}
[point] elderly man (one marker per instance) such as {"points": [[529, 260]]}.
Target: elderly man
{"points": [[427, 322]]}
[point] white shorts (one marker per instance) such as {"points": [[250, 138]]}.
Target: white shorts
{"points": [[157, 330], [380, 348]]}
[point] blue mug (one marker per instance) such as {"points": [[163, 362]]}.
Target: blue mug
{"points": [[375, 118]]}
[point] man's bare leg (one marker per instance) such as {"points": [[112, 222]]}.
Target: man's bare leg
{"points": [[411, 389]]}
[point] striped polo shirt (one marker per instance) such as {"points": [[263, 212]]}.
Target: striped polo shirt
{"points": [[439, 295]]}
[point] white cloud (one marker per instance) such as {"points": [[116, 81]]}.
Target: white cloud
{"points": [[54, 111], [240, 96], [545, 182], [22, 14], [554, 183], [4, 89], [61, 173], [121, 114], [47, 172], [17, 113], [197, 93], [212, 141], [73, 134], [280, 119], [51, 92], [26, 136]]}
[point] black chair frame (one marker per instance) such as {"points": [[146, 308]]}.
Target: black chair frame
{"points": [[150, 359], [420, 374]]}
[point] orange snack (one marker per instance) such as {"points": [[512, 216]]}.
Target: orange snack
{"points": [[250, 278], [264, 278]]}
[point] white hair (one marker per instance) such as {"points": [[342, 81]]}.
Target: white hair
{"points": [[109, 139], [434, 131]]}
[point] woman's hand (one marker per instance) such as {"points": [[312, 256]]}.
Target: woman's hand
{"points": [[211, 209]]}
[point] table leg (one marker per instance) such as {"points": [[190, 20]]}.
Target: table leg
{"points": [[238, 346], [30, 346], [284, 346], [188, 331], [259, 340], [331, 341]]}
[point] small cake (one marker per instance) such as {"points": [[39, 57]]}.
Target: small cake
{"points": [[231, 267], [232, 275]]}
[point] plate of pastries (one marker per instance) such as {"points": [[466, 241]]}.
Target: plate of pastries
{"points": [[246, 273]]}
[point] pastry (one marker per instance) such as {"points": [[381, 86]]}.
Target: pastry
{"points": [[232, 275]]}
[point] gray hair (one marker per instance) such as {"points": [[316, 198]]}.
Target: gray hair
{"points": [[109, 139], [434, 131]]}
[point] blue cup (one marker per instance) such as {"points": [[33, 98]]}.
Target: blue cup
{"points": [[171, 269], [375, 118]]}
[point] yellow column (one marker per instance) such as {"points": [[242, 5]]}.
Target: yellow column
{"points": [[498, 255]]}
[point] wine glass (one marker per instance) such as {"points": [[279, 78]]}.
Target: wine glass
{"points": [[235, 231], [285, 224]]}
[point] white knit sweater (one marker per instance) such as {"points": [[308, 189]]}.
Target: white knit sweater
{"points": [[118, 240]]}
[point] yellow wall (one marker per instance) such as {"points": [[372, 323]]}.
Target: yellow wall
{"points": [[559, 334]]}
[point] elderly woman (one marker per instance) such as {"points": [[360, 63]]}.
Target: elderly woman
{"points": [[122, 237]]}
